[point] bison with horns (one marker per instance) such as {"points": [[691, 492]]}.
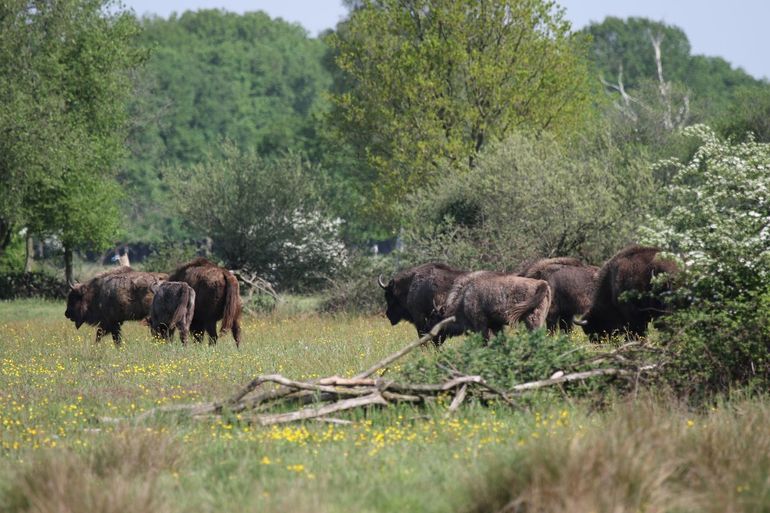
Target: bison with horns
{"points": [[173, 305], [217, 296], [111, 298], [626, 297], [486, 301], [412, 295], [572, 288]]}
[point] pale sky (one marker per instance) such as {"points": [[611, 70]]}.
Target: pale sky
{"points": [[736, 30]]}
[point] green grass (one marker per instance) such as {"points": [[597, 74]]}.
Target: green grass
{"points": [[55, 453]]}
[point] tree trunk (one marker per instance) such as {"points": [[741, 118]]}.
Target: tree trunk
{"points": [[6, 233], [30, 255], [68, 265]]}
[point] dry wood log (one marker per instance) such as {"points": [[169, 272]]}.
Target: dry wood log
{"points": [[395, 356], [312, 412]]}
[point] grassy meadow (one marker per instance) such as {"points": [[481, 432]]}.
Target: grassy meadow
{"points": [[638, 454]]}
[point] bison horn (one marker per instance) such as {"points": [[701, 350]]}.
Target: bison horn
{"points": [[73, 286], [381, 283], [579, 322]]}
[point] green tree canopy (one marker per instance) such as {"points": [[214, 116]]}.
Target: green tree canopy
{"points": [[66, 66], [215, 75], [434, 81]]}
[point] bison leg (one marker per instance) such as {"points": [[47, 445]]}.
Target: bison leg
{"points": [[114, 330], [237, 332], [183, 334], [100, 332], [211, 329]]}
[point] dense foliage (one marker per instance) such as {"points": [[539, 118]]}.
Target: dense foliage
{"points": [[719, 227], [66, 67], [263, 214], [213, 75], [529, 198], [432, 82]]}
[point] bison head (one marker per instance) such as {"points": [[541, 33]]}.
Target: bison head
{"points": [[76, 305], [396, 300]]}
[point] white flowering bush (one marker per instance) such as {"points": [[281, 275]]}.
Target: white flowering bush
{"points": [[264, 215], [718, 225], [719, 220]]}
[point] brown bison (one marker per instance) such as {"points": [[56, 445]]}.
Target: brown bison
{"points": [[217, 296], [111, 298], [624, 299], [486, 301], [572, 288], [413, 293], [172, 308]]}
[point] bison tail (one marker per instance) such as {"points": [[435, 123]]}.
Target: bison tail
{"points": [[182, 307], [541, 297], [232, 303]]}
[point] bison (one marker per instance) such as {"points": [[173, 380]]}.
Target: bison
{"points": [[111, 298], [624, 299], [173, 305], [413, 294], [217, 296], [572, 288], [486, 301]]}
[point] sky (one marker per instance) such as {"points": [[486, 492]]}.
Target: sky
{"points": [[735, 30]]}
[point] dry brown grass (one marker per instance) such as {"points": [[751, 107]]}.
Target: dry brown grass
{"points": [[121, 474], [645, 455]]}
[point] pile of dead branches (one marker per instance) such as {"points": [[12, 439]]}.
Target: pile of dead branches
{"points": [[258, 401]]}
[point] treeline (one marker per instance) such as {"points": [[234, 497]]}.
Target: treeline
{"points": [[479, 133]]}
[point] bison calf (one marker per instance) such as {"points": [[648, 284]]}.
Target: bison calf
{"points": [[172, 308], [486, 301], [111, 298]]}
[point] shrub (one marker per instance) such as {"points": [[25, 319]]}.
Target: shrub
{"points": [[718, 227], [526, 199], [355, 290], [264, 214], [504, 361], [18, 285]]}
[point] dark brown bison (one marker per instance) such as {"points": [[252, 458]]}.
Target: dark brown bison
{"points": [[173, 305], [572, 287], [217, 296], [413, 293], [624, 299], [486, 301], [111, 298]]}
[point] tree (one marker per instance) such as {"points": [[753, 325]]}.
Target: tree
{"points": [[263, 213], [435, 81], [67, 65], [212, 75]]}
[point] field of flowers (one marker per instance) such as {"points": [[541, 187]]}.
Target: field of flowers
{"points": [[56, 454]]}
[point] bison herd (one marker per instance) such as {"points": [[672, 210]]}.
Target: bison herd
{"points": [[191, 299], [621, 296]]}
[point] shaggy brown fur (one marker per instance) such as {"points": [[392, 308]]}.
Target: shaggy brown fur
{"points": [[486, 301], [625, 275], [217, 296], [413, 293], [172, 308], [572, 288], [111, 298]]}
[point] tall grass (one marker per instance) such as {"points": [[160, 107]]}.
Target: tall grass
{"points": [[643, 455]]}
